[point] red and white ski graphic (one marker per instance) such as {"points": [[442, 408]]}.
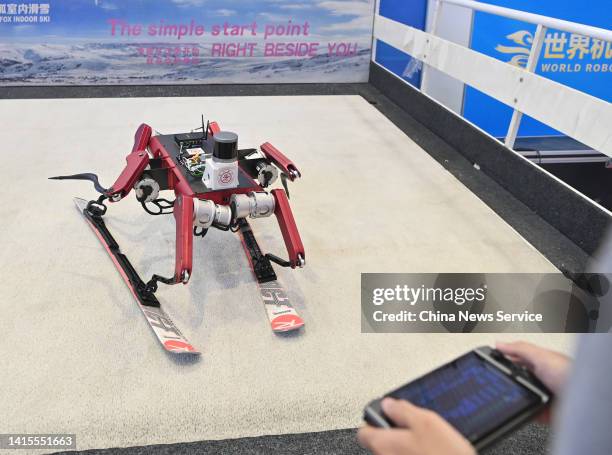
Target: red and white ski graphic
{"points": [[166, 331], [163, 327], [282, 316]]}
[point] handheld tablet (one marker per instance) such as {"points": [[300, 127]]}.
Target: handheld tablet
{"points": [[482, 394]]}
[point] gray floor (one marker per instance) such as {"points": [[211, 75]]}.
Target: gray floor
{"points": [[529, 440], [79, 356]]}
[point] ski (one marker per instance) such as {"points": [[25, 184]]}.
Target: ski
{"points": [[281, 314], [163, 327]]}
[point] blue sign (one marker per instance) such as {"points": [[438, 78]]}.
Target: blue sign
{"points": [[576, 61], [61, 42], [412, 14]]}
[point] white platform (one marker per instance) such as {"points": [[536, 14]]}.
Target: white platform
{"points": [[76, 353]]}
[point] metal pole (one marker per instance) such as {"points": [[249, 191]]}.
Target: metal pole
{"points": [[548, 22], [532, 61], [436, 17], [376, 12], [437, 10]]}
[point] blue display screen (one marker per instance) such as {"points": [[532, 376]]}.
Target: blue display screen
{"points": [[471, 394]]}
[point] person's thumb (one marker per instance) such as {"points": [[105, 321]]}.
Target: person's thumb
{"points": [[525, 353], [401, 412]]}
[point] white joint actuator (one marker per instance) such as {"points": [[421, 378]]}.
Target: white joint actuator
{"points": [[146, 190], [208, 214], [254, 205], [266, 173]]}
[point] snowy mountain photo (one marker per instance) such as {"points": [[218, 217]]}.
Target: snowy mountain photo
{"points": [[186, 41]]}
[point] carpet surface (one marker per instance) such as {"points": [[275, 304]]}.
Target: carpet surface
{"points": [[77, 356]]}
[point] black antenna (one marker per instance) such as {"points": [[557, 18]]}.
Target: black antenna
{"points": [[204, 133], [207, 126]]}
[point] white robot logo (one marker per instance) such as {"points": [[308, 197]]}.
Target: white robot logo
{"points": [[226, 176]]}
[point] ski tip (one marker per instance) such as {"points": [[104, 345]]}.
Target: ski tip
{"points": [[180, 347], [80, 203], [287, 323]]}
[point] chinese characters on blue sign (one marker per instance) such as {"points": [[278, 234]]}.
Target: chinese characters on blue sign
{"points": [[580, 62]]}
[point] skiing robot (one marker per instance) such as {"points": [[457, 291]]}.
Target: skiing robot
{"points": [[216, 186]]}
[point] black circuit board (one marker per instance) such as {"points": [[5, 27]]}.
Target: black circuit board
{"points": [[169, 143]]}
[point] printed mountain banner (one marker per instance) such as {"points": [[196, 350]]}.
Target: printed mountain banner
{"points": [[103, 42]]}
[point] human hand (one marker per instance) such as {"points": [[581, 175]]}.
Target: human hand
{"points": [[420, 432], [550, 367]]}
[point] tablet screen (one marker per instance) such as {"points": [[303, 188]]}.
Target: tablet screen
{"points": [[471, 394]]}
